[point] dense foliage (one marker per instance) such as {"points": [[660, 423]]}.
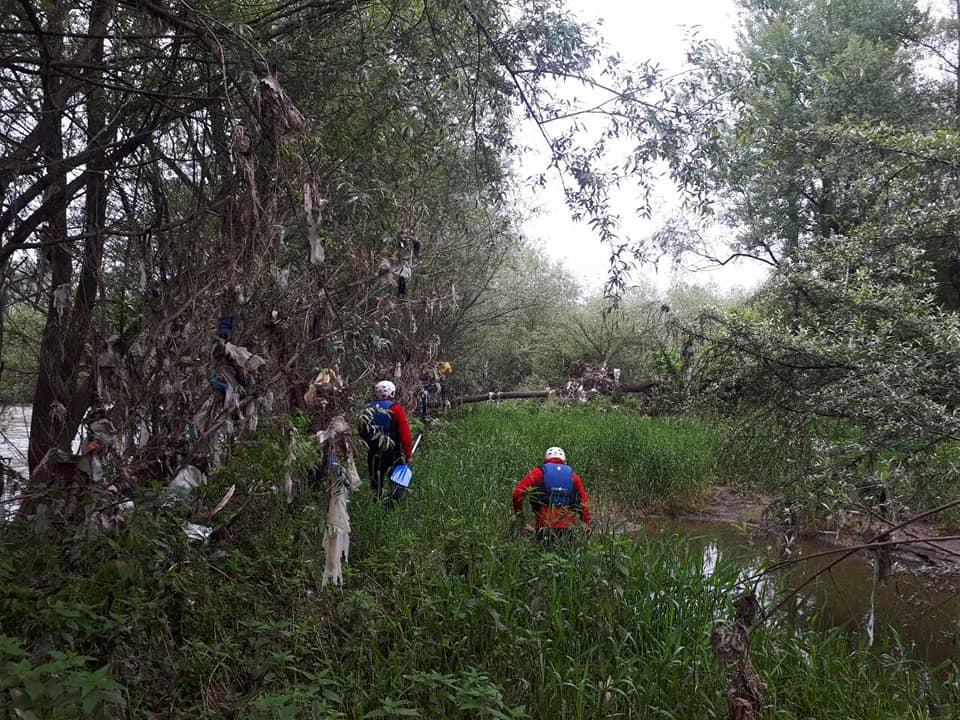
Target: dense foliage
{"points": [[326, 186], [835, 162], [326, 190], [446, 611]]}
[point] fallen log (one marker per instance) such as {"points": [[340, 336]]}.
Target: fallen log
{"points": [[644, 386], [512, 395]]}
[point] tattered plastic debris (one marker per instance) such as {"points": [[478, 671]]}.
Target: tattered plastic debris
{"points": [[110, 357], [288, 463], [104, 432], [327, 380], [336, 539], [213, 377], [273, 100], [241, 150], [197, 532], [244, 359], [267, 401], [90, 463], [110, 374], [58, 412], [401, 270], [61, 298], [188, 478], [312, 205], [115, 515], [345, 479], [143, 433]]}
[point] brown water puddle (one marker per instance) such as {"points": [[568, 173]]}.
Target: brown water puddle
{"points": [[921, 604], [919, 600]]}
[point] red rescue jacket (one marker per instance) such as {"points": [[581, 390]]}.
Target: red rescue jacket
{"points": [[552, 516], [403, 430]]}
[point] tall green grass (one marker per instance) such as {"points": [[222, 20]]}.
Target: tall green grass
{"points": [[620, 455], [446, 612]]}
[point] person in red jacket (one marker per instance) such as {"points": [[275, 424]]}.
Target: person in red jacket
{"points": [[384, 427], [556, 493]]}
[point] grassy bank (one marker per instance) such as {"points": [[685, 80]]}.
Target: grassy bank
{"points": [[446, 612]]}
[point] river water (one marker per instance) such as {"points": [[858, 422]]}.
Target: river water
{"points": [[14, 434], [920, 605]]}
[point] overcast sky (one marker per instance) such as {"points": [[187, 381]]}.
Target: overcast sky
{"points": [[637, 30]]}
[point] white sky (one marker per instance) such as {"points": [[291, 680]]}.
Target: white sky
{"points": [[638, 30]]}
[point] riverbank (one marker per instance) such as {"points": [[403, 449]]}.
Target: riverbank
{"points": [[446, 610]]}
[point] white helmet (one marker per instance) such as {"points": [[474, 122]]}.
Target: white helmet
{"points": [[555, 452], [385, 390]]}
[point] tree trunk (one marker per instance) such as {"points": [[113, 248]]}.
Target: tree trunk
{"points": [[46, 425], [62, 395]]}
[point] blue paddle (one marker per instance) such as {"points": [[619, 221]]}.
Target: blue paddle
{"points": [[402, 474]]}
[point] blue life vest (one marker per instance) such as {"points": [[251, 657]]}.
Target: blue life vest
{"points": [[558, 485], [382, 422]]}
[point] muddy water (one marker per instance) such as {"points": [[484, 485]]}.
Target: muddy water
{"points": [[920, 605]]}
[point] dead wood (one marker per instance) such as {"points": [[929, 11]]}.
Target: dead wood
{"points": [[730, 642]]}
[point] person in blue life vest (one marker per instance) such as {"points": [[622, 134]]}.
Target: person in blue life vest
{"points": [[557, 495], [383, 426]]}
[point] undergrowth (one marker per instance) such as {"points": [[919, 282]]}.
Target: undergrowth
{"points": [[446, 612]]}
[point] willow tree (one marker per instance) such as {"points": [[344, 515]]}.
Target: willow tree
{"points": [[321, 185]]}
